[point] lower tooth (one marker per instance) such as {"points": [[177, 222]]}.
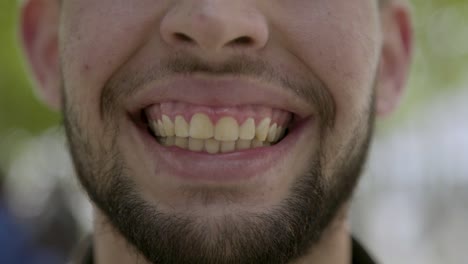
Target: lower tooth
{"points": [[257, 143], [243, 144], [212, 146], [181, 142], [196, 144], [167, 141], [228, 146]]}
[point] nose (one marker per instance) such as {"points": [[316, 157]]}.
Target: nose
{"points": [[214, 25]]}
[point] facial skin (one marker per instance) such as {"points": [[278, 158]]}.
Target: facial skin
{"points": [[334, 64]]}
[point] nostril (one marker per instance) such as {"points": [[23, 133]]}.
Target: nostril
{"points": [[241, 41], [183, 38]]}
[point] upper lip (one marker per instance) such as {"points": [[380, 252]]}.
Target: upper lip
{"points": [[219, 92]]}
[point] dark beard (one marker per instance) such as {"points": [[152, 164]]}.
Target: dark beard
{"points": [[280, 235]]}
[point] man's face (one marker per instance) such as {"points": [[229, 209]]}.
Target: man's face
{"points": [[219, 131]]}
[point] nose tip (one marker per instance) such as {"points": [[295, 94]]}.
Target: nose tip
{"points": [[213, 28]]}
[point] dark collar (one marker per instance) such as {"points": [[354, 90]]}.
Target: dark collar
{"points": [[84, 253], [360, 255]]}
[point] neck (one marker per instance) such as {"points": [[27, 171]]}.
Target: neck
{"points": [[334, 246]]}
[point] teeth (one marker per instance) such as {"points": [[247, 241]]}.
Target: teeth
{"points": [[168, 126], [181, 127], [261, 132], [242, 144], [196, 144], [272, 133], [257, 143], [212, 146], [226, 129], [201, 127], [181, 142], [161, 129], [247, 129], [226, 136], [279, 133], [167, 141], [154, 127], [228, 146]]}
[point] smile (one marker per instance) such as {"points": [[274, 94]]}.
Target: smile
{"points": [[216, 130], [223, 130]]}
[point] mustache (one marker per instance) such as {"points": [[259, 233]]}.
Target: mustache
{"points": [[127, 82]]}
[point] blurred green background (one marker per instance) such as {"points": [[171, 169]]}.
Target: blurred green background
{"points": [[21, 114]]}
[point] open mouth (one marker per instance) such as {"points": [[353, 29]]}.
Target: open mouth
{"points": [[215, 130], [222, 130]]}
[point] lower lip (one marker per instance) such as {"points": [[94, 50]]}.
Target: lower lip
{"points": [[221, 168]]}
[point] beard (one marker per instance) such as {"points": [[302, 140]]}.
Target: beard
{"points": [[279, 235]]}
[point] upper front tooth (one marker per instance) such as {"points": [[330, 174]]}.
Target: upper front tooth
{"points": [[272, 133], [261, 132], [227, 129], [168, 126], [247, 129], [201, 127], [181, 127]]}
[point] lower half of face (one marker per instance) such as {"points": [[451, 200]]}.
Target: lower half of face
{"points": [[179, 198], [219, 164]]}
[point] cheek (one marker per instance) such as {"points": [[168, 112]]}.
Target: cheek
{"points": [[96, 38], [339, 43]]}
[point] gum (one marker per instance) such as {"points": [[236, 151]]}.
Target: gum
{"points": [[240, 113]]}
